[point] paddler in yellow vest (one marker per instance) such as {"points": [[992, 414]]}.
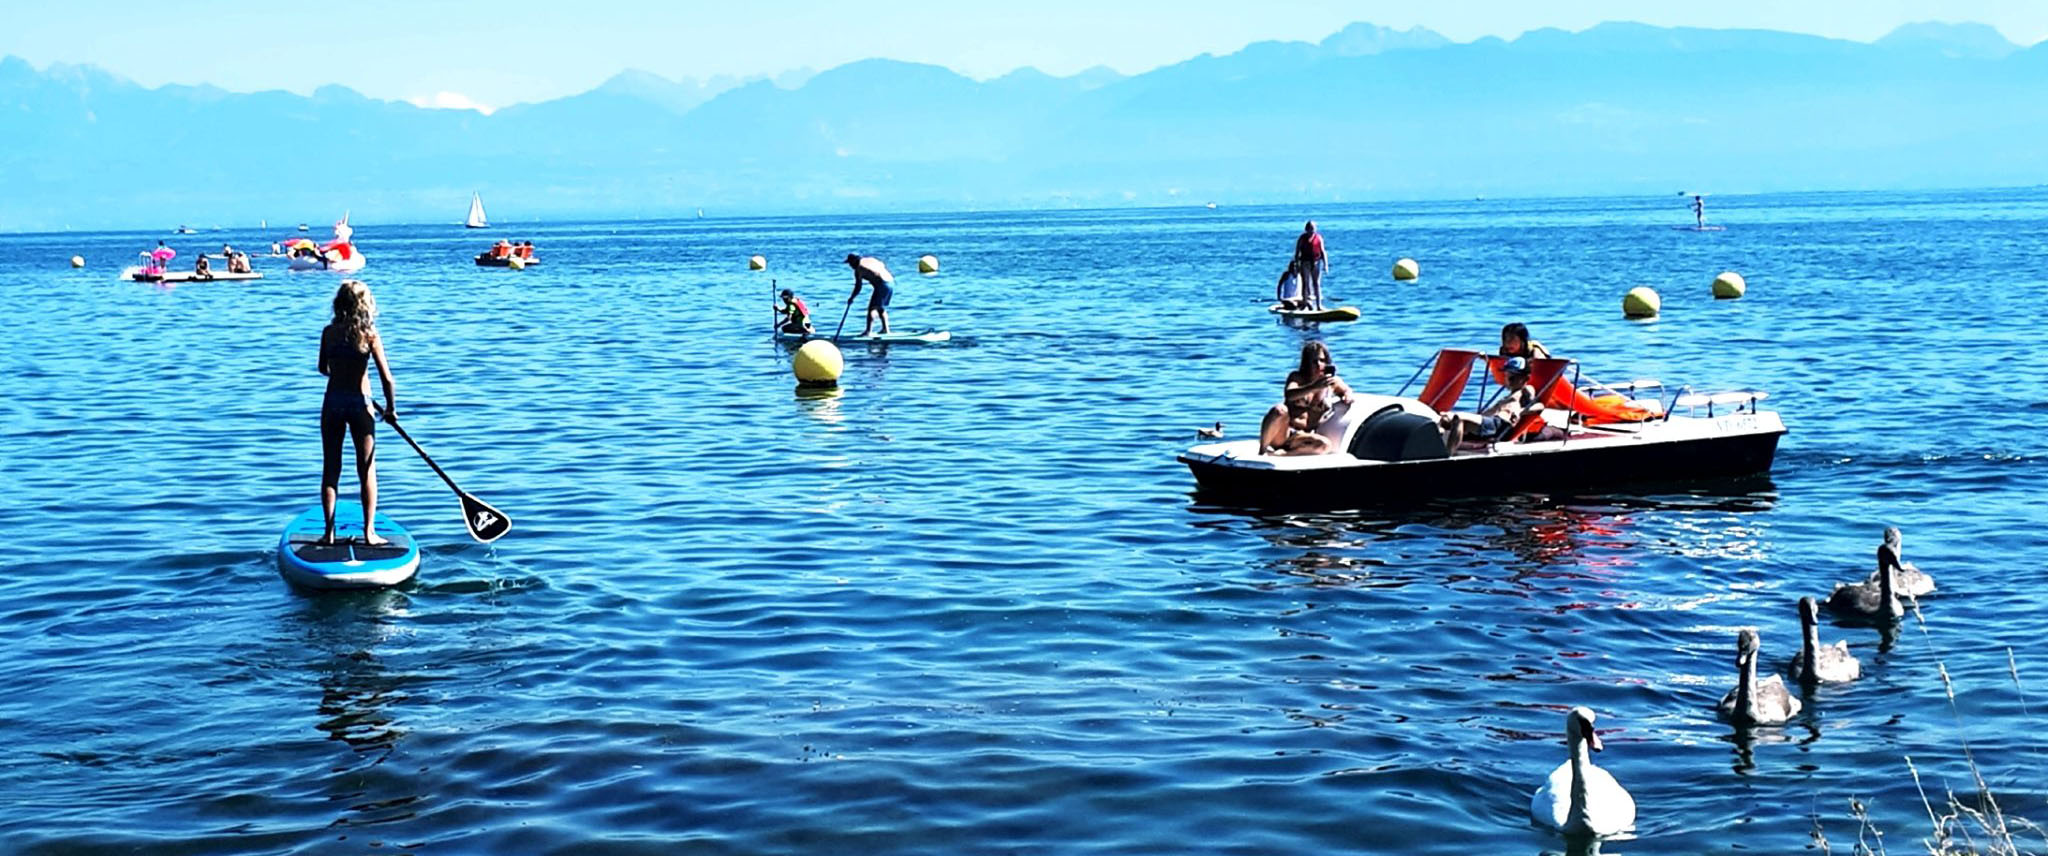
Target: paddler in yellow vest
{"points": [[795, 316]]}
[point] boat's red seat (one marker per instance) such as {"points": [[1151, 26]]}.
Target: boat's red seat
{"points": [[1447, 380]]}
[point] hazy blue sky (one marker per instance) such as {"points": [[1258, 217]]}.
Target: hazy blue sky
{"points": [[527, 50]]}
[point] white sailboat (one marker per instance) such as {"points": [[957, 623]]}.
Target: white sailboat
{"points": [[476, 213]]}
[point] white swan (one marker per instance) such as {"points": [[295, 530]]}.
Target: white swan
{"points": [[1752, 701], [1911, 581], [1578, 797], [1875, 599], [1819, 663]]}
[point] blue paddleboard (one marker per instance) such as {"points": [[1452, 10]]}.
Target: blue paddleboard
{"points": [[347, 563]]}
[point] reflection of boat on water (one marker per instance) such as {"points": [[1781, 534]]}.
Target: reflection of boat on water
{"points": [[1391, 448], [1531, 541]]}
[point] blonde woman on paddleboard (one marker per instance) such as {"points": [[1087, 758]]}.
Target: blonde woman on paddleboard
{"points": [[347, 346]]}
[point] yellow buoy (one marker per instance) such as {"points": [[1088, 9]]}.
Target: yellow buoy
{"points": [[818, 363], [1406, 269], [78, 261], [1729, 285], [515, 263], [927, 264], [1641, 302], [757, 263]]}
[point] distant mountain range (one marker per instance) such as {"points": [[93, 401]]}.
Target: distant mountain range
{"points": [[1367, 113]]}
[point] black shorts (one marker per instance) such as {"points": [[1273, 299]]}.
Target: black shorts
{"points": [[1492, 428]]}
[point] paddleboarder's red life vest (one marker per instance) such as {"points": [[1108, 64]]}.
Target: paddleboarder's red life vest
{"points": [[799, 314]]}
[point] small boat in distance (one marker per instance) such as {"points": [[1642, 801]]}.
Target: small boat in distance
{"points": [[476, 213], [186, 230], [506, 254], [302, 228]]}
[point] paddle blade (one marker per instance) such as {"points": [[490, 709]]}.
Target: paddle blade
{"points": [[486, 524]]}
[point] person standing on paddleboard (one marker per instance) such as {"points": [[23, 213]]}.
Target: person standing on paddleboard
{"points": [[347, 346], [1312, 261], [876, 274]]}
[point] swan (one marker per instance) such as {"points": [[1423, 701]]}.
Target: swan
{"points": [[1874, 599], [1817, 663], [1912, 581], [1756, 702], [1578, 797]]}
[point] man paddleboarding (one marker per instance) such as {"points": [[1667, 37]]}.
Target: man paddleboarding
{"points": [[874, 273]]}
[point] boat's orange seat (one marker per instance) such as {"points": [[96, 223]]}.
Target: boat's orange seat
{"points": [[1447, 380]]}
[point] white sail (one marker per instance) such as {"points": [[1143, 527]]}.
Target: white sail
{"points": [[476, 213]]}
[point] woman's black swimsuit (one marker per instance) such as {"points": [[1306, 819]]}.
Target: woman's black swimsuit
{"points": [[344, 410]]}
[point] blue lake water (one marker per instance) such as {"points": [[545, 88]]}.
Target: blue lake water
{"points": [[970, 604]]}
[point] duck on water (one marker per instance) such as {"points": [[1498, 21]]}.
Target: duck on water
{"points": [[1911, 581], [1874, 600], [1754, 701], [1819, 663], [1579, 798]]}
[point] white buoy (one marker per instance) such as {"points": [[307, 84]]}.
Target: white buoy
{"points": [[927, 264], [78, 261], [515, 263], [1729, 285], [1641, 302], [818, 363], [757, 263], [1407, 269]]}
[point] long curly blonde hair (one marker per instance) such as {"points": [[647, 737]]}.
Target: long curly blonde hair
{"points": [[355, 314]]}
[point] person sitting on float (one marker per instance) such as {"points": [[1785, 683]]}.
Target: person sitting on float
{"points": [[1312, 389], [795, 316], [1499, 419], [1288, 289]]}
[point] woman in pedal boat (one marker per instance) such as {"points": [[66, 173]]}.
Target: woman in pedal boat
{"points": [[347, 346], [1312, 388]]}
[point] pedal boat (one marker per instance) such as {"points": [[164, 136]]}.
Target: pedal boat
{"points": [[1389, 448]]}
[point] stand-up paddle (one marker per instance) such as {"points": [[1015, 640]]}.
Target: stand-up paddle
{"points": [[842, 320], [485, 523]]}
